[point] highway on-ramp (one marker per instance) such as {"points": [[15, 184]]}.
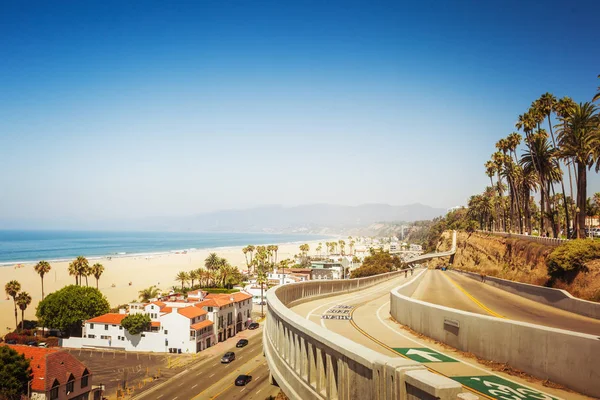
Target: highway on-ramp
{"points": [[363, 317]]}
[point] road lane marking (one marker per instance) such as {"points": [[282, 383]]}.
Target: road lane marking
{"points": [[160, 396], [211, 375], [480, 304], [180, 384]]}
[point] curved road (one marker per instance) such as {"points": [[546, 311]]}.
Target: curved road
{"points": [[454, 290], [372, 326]]}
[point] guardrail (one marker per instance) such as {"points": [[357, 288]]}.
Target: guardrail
{"points": [[564, 357], [538, 239], [310, 362]]}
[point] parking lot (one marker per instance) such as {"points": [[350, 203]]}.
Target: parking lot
{"points": [[131, 372]]}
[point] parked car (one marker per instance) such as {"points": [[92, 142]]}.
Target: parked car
{"points": [[11, 341], [32, 343], [42, 344], [228, 357], [242, 380], [253, 325], [241, 343]]}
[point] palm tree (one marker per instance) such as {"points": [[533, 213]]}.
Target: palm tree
{"points": [[275, 250], [319, 248], [73, 272], [97, 270], [597, 96], [285, 264], [13, 288], [248, 250], [212, 262], [23, 300], [193, 275], [182, 277], [342, 246], [150, 293], [578, 139], [82, 268], [261, 279], [42, 268]]}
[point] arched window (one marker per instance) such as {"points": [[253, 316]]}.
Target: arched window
{"points": [[54, 390], [84, 378], [70, 384]]}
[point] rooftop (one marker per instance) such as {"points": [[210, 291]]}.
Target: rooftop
{"points": [[110, 318]]}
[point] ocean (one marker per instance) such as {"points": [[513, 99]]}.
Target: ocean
{"points": [[31, 246]]}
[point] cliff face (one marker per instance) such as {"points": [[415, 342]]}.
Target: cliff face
{"points": [[518, 260]]}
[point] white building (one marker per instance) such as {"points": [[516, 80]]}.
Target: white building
{"points": [[180, 326]]}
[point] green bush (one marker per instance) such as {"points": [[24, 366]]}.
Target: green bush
{"points": [[136, 323], [570, 258], [220, 290]]}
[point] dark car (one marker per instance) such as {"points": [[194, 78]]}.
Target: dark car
{"points": [[11, 341], [228, 357], [253, 325], [242, 343], [32, 343], [242, 380]]}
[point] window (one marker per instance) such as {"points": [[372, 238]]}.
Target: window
{"points": [[70, 384], [166, 332], [54, 391], [106, 327], [84, 378], [91, 336], [120, 328], [123, 338], [91, 326]]}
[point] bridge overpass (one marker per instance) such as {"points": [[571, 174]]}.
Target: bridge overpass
{"points": [[336, 340]]}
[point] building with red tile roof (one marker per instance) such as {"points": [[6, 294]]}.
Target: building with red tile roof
{"points": [[58, 375], [110, 318]]}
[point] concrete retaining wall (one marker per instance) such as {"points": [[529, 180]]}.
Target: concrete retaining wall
{"points": [[564, 357], [552, 297]]}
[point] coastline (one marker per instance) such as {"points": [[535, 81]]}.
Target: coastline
{"points": [[140, 270]]}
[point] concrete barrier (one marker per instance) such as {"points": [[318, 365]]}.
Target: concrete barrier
{"points": [[552, 297], [564, 357], [310, 362], [539, 239]]}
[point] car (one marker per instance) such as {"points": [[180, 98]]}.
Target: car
{"points": [[32, 343], [228, 357], [42, 344], [242, 380], [241, 343], [253, 325], [11, 341]]}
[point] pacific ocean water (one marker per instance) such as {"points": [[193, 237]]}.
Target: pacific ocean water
{"points": [[26, 246]]}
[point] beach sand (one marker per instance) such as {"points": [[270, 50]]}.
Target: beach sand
{"points": [[142, 272]]}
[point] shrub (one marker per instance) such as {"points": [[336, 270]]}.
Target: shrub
{"points": [[220, 290], [569, 258], [136, 323]]}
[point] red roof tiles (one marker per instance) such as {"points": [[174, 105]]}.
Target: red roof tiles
{"points": [[50, 364], [191, 312], [110, 318], [200, 325]]}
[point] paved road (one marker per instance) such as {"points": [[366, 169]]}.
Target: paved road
{"points": [[371, 326], [210, 378], [454, 290]]}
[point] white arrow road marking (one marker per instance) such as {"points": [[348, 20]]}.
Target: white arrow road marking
{"points": [[426, 355]]}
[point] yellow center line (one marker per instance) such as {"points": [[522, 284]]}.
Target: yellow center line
{"points": [[480, 304]]}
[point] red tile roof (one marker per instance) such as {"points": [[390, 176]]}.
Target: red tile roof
{"points": [[50, 364], [155, 324], [191, 312], [110, 318], [160, 304], [166, 310], [220, 299], [241, 296], [200, 325]]}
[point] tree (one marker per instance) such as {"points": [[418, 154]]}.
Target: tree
{"points": [[378, 263], [12, 288], [68, 307], [97, 270], [319, 249], [136, 323], [261, 279], [81, 268], [15, 374], [23, 301], [193, 275], [73, 272], [149, 293], [42, 268], [578, 139], [212, 262], [182, 277], [597, 96], [342, 246], [285, 264]]}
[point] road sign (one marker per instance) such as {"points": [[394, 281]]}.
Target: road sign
{"points": [[423, 354], [500, 388]]}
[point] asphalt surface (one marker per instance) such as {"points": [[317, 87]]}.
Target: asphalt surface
{"points": [[458, 291], [211, 379], [371, 326]]}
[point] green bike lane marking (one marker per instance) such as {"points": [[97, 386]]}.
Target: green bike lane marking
{"points": [[423, 354], [500, 388]]}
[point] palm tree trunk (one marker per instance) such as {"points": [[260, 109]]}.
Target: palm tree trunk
{"points": [[42, 287], [22, 319], [96, 283], [262, 300], [16, 315], [581, 197]]}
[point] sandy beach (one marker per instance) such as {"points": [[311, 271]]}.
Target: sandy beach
{"points": [[142, 272]]}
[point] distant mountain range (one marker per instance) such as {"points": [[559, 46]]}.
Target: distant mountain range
{"points": [[314, 218]]}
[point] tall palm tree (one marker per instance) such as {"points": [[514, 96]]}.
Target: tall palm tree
{"points": [[23, 300], [351, 245], [97, 270], [81, 267], [578, 138], [42, 268], [319, 249], [13, 288], [342, 244], [73, 272], [182, 277], [149, 293], [193, 275], [597, 96], [261, 279]]}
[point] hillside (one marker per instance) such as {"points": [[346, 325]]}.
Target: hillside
{"points": [[519, 260]]}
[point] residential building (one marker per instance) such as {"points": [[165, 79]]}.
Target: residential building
{"points": [[57, 375]]}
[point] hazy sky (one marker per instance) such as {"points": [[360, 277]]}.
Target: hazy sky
{"points": [[136, 108]]}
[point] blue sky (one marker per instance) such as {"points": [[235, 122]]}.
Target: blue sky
{"points": [[141, 108]]}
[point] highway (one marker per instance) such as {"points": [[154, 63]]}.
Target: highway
{"points": [[210, 379], [370, 325], [454, 290]]}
